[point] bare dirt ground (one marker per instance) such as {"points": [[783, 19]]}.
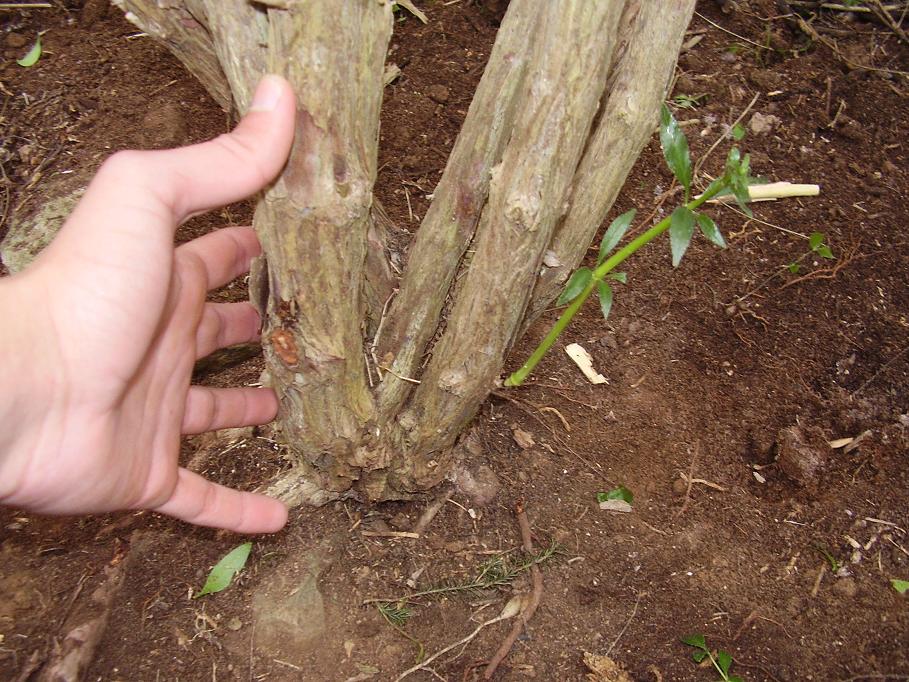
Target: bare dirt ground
{"points": [[728, 378]]}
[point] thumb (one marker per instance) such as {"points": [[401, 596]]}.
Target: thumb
{"points": [[200, 177], [235, 165]]}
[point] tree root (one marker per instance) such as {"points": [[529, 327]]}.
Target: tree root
{"points": [[532, 604]]}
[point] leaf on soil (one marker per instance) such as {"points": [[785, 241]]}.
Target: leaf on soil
{"points": [[620, 493], [900, 586], [724, 660], [225, 570], [33, 55], [523, 438], [839, 443], [604, 669], [695, 640]]}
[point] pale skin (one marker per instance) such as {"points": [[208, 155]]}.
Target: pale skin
{"points": [[99, 336]]}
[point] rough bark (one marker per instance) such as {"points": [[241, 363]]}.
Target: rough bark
{"points": [[567, 101], [637, 85], [526, 197]]}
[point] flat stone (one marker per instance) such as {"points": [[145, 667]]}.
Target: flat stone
{"points": [[27, 237], [288, 609]]}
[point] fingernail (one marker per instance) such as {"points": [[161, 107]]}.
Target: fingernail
{"points": [[267, 94]]}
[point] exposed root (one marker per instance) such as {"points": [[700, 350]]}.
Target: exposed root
{"points": [[295, 488], [532, 604]]}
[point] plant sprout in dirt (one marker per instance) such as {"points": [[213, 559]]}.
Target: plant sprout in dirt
{"points": [[721, 660], [680, 224]]}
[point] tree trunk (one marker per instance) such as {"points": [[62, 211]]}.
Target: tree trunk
{"points": [[567, 101]]}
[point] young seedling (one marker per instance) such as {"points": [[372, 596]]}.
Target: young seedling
{"points": [[722, 661], [817, 245], [680, 224], [688, 101]]}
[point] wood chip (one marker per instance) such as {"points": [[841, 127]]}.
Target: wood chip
{"points": [[615, 506], [585, 363]]}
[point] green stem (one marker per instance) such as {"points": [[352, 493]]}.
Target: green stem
{"points": [[601, 271]]}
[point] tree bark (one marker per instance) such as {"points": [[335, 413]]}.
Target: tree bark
{"points": [[568, 99]]}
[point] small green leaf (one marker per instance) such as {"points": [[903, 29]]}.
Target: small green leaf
{"points": [[225, 570], [619, 277], [675, 148], [794, 268], [735, 678], [815, 240], [900, 586], [695, 640], [724, 660], [605, 293], [579, 280], [33, 55], [825, 252], [681, 227], [620, 493], [614, 234], [698, 655], [710, 230], [738, 132]]}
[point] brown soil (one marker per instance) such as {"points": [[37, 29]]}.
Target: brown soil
{"points": [[729, 370]]}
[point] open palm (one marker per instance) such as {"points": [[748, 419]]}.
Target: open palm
{"points": [[111, 319]]}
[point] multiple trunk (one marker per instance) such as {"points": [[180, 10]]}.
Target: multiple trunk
{"points": [[568, 99]]}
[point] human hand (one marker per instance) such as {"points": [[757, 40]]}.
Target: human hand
{"points": [[101, 333]]}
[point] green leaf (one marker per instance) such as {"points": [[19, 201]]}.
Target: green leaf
{"points": [[620, 493], [900, 586], [825, 252], [681, 227], [579, 280], [815, 240], [675, 148], [735, 678], [794, 268], [33, 55], [225, 570], [724, 660], [605, 293], [698, 655], [695, 640], [738, 132], [710, 230], [619, 277], [614, 234]]}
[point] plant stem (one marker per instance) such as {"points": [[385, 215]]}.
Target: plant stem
{"points": [[601, 271]]}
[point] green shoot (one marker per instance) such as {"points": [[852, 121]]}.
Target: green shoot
{"points": [[835, 564], [688, 101], [722, 660], [680, 224], [900, 586]]}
